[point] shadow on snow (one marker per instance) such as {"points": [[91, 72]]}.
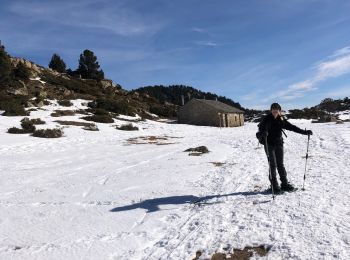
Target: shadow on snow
{"points": [[152, 205]]}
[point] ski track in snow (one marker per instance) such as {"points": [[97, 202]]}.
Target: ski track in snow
{"points": [[57, 195], [239, 214]]}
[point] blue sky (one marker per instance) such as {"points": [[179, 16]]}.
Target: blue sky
{"points": [[296, 52]]}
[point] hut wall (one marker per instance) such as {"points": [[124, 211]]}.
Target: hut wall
{"points": [[233, 119], [196, 113]]}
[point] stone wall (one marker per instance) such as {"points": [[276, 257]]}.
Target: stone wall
{"points": [[197, 113]]}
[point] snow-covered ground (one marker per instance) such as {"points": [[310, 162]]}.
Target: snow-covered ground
{"points": [[344, 115], [94, 195]]}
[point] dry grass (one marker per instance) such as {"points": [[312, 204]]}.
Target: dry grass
{"points": [[106, 119], [83, 111], [65, 103], [16, 130], [127, 127], [75, 123], [239, 254], [34, 121], [91, 128], [218, 164], [157, 140], [130, 120], [59, 113], [48, 133], [27, 127]]}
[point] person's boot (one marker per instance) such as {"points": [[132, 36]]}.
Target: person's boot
{"points": [[274, 184], [276, 190], [286, 186]]}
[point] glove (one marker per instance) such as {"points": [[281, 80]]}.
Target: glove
{"points": [[308, 132], [264, 135], [261, 137]]}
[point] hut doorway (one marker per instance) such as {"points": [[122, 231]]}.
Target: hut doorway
{"points": [[226, 120]]}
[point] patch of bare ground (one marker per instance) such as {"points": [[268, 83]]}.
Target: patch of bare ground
{"points": [[197, 151], [239, 254], [59, 113], [130, 120], [218, 164], [82, 111], [75, 123], [157, 140]]}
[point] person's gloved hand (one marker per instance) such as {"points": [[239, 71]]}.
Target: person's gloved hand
{"points": [[261, 137], [308, 132], [264, 135]]}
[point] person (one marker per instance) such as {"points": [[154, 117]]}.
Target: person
{"points": [[270, 135]]}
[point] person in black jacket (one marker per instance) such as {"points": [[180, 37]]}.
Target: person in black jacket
{"points": [[270, 135]]}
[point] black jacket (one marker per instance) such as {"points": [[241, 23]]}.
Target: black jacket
{"points": [[274, 127]]}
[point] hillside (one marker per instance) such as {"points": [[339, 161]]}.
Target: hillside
{"points": [[328, 110], [28, 84], [172, 94]]}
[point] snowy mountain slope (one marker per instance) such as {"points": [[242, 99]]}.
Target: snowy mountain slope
{"points": [[94, 195]]}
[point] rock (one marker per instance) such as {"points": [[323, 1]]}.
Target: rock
{"points": [[106, 83], [20, 91], [199, 149], [30, 104], [42, 94], [67, 92], [40, 104], [91, 128], [34, 69], [27, 63], [65, 76], [35, 84]]}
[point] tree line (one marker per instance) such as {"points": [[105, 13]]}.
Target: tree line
{"points": [[173, 93], [88, 67]]}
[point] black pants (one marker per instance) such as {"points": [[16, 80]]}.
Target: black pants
{"points": [[275, 156]]}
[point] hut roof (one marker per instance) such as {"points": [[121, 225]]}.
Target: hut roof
{"points": [[221, 107]]}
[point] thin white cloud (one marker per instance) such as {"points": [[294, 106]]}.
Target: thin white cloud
{"points": [[119, 19], [207, 43], [336, 65], [342, 51], [198, 30]]}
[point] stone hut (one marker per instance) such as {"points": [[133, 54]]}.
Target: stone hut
{"points": [[210, 113]]}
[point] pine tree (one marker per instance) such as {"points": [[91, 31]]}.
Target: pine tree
{"points": [[21, 72], [57, 63], [5, 67], [89, 67]]}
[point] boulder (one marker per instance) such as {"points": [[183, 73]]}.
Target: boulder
{"points": [[40, 104], [67, 92], [42, 94], [30, 104], [19, 91], [106, 83]]}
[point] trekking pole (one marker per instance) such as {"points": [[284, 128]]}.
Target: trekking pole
{"points": [[270, 174], [306, 157]]}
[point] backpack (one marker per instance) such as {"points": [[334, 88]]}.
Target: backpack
{"points": [[260, 137], [262, 126]]}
